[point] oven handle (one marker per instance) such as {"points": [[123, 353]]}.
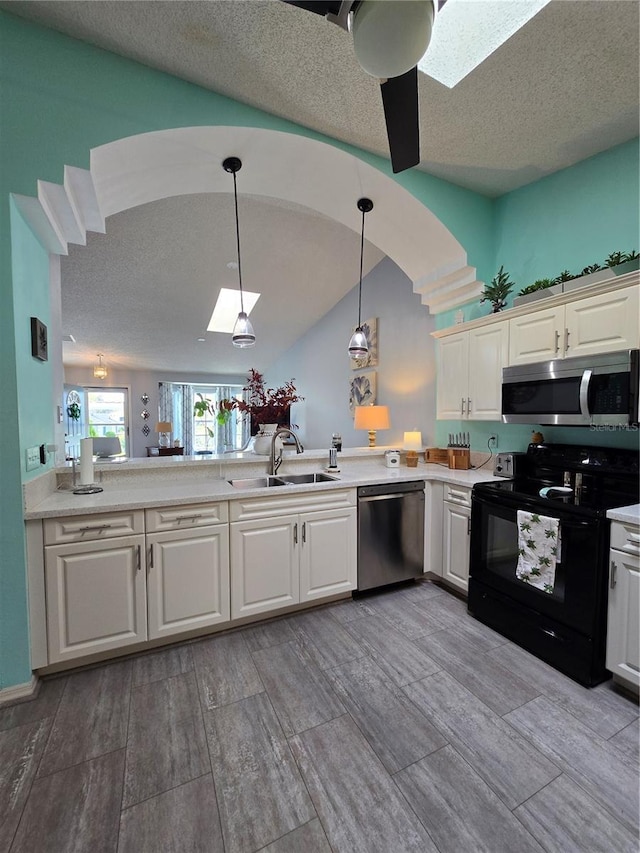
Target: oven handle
{"points": [[529, 506], [584, 392]]}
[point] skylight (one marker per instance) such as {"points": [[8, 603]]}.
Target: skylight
{"points": [[466, 32], [227, 307]]}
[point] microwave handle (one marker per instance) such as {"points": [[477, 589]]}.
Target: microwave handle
{"points": [[584, 392]]}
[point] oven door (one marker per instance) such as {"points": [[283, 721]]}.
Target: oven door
{"points": [[579, 592]]}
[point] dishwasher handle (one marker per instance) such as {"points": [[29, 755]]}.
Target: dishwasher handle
{"points": [[387, 496]]}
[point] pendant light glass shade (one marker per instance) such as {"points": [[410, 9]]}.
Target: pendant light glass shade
{"points": [[358, 345], [99, 369], [243, 334]]}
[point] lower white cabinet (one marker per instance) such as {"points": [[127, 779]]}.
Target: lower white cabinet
{"points": [[96, 596], [280, 560], [188, 579], [456, 529], [623, 623]]}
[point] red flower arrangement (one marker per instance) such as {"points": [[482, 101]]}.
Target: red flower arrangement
{"points": [[267, 405]]}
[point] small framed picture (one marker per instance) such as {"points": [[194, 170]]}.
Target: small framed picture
{"points": [[38, 339]]}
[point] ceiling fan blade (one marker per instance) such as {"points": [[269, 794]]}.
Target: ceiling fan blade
{"points": [[400, 102]]}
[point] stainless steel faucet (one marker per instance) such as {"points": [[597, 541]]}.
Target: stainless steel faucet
{"points": [[276, 461]]}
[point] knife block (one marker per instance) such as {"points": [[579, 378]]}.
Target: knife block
{"points": [[459, 458]]}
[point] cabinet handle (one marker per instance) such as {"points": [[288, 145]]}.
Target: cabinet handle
{"points": [[557, 341], [566, 339], [614, 569], [295, 533], [462, 406], [150, 556], [94, 527], [469, 526], [138, 557], [180, 518], [468, 406], [304, 532]]}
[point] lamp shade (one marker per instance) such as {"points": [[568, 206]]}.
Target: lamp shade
{"points": [[372, 417], [412, 440], [163, 426]]}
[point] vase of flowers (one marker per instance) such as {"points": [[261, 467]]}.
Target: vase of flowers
{"points": [[268, 408]]}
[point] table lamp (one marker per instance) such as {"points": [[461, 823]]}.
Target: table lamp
{"points": [[372, 418], [163, 428], [413, 445]]}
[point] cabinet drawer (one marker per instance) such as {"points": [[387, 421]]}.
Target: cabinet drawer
{"points": [[625, 537], [83, 528], [246, 509], [457, 495], [188, 515]]}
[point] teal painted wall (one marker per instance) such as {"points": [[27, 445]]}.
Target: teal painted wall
{"points": [[565, 221]]}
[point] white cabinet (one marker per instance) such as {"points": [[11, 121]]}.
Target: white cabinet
{"points": [[607, 322], [456, 530], [96, 596], [291, 549], [469, 378], [188, 567], [188, 579], [623, 623]]}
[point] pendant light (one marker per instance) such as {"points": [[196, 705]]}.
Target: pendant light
{"points": [[243, 334], [358, 345], [99, 369]]}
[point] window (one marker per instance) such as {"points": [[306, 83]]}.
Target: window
{"points": [[107, 414], [208, 433]]}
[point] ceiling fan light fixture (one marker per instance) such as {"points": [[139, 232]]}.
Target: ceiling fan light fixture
{"points": [[243, 334], [391, 36], [358, 345]]}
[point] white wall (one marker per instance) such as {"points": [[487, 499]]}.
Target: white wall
{"points": [[143, 382], [406, 365]]}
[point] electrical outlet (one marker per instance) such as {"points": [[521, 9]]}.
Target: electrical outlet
{"points": [[33, 458], [493, 441]]}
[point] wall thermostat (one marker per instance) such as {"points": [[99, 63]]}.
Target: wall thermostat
{"points": [[392, 458]]}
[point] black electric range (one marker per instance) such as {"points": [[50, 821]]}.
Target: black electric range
{"points": [[564, 624]]}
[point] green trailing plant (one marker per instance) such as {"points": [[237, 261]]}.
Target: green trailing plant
{"points": [[221, 412], [497, 292], [540, 284]]}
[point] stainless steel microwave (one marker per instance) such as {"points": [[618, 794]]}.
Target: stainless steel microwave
{"points": [[589, 390]]}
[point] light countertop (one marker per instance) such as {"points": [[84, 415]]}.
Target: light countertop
{"points": [[626, 514], [209, 483]]}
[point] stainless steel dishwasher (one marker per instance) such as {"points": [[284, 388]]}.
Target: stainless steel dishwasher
{"points": [[390, 533]]}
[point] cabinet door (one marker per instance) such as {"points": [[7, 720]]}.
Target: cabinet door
{"points": [[453, 359], [96, 597], [188, 579], [488, 354], [605, 323], [328, 553], [264, 565], [538, 336], [623, 628], [455, 546]]}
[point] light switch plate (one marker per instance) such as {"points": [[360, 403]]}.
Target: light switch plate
{"points": [[33, 458]]}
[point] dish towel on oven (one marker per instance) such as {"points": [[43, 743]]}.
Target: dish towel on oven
{"points": [[538, 549]]}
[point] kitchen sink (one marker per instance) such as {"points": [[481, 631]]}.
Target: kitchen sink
{"points": [[297, 479], [257, 482], [281, 480]]}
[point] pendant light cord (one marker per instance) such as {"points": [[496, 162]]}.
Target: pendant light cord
{"points": [[361, 258], [235, 197]]}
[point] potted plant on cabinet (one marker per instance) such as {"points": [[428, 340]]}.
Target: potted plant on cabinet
{"points": [[497, 292], [268, 408]]}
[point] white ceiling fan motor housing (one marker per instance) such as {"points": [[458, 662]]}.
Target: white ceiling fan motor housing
{"points": [[391, 36]]}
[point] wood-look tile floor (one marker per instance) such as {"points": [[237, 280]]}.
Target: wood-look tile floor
{"points": [[385, 724]]}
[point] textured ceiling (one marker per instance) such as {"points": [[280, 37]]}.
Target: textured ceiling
{"points": [[144, 292], [562, 89]]}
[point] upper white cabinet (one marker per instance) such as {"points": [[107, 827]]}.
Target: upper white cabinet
{"points": [[470, 373], [607, 322]]}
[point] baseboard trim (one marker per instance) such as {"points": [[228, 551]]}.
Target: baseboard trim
{"points": [[21, 692]]}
